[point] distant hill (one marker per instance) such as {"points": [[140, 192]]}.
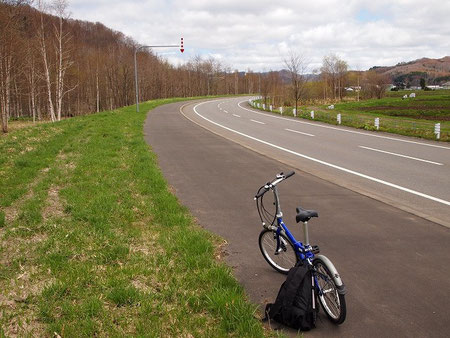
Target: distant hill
{"points": [[434, 71]]}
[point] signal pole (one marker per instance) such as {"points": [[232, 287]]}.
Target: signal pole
{"points": [[181, 46]]}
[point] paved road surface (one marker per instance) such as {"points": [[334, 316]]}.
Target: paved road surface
{"points": [[406, 172], [395, 264]]}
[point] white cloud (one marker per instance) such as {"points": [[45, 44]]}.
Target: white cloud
{"points": [[256, 34]]}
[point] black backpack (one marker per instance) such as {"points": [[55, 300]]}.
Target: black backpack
{"points": [[294, 306]]}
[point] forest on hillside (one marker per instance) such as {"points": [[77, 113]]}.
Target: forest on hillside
{"points": [[53, 67]]}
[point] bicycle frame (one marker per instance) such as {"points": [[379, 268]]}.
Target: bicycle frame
{"points": [[303, 251]]}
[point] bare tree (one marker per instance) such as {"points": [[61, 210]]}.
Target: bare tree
{"points": [[374, 84], [62, 52], [334, 73], [264, 86], [31, 76], [45, 60], [297, 72]]}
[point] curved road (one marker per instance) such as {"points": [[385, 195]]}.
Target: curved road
{"points": [[393, 262], [409, 173]]}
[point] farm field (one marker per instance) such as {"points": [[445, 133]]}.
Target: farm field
{"points": [[427, 105], [411, 117]]}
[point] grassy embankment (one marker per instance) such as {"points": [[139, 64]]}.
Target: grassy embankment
{"points": [[94, 243], [413, 116]]}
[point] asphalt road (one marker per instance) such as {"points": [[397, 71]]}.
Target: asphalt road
{"points": [[394, 264], [409, 173]]}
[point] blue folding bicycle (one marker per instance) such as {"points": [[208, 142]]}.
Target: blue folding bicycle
{"points": [[282, 251]]}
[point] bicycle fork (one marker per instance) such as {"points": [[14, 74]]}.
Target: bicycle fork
{"points": [[281, 243]]}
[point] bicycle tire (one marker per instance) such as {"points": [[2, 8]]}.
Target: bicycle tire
{"points": [[333, 303], [285, 259]]}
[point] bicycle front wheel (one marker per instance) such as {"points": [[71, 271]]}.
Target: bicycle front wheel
{"points": [[283, 259], [332, 301]]}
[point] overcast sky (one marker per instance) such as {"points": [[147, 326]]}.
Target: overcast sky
{"points": [[257, 34]]}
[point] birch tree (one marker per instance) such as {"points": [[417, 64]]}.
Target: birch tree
{"points": [[62, 53], [46, 67]]}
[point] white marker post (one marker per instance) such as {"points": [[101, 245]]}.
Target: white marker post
{"points": [[264, 106], [437, 130], [339, 118], [294, 111], [270, 107], [281, 110], [312, 114], [377, 123]]}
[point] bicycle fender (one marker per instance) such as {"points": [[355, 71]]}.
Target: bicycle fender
{"points": [[336, 277]]}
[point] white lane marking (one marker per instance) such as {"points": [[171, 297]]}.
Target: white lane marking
{"points": [[392, 185], [257, 121], [236, 115], [343, 130], [225, 111], [298, 132], [400, 155]]}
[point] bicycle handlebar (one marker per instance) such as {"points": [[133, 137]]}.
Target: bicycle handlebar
{"points": [[262, 192], [289, 174], [280, 177]]}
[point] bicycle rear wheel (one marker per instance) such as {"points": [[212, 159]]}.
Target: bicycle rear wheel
{"points": [[332, 301], [285, 258]]}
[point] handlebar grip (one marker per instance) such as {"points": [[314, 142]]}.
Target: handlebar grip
{"points": [[261, 192], [289, 174]]}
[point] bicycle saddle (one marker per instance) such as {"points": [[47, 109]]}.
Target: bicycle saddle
{"points": [[305, 215]]}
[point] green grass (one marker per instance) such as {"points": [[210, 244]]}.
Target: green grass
{"points": [[411, 117], [94, 244]]}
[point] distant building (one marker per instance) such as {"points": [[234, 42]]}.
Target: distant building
{"points": [[432, 87], [446, 85]]}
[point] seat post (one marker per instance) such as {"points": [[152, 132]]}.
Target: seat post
{"points": [[306, 233]]}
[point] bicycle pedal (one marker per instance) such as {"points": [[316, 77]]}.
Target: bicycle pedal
{"points": [[315, 249]]}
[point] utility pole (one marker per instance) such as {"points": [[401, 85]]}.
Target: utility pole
{"points": [[181, 46]]}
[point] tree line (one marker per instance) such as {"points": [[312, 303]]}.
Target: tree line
{"points": [[330, 83], [52, 67]]}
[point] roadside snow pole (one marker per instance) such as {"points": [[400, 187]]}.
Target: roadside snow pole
{"points": [[281, 110], [377, 123], [312, 114], [339, 118], [294, 111], [437, 130]]}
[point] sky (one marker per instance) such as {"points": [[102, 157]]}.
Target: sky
{"points": [[258, 35]]}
